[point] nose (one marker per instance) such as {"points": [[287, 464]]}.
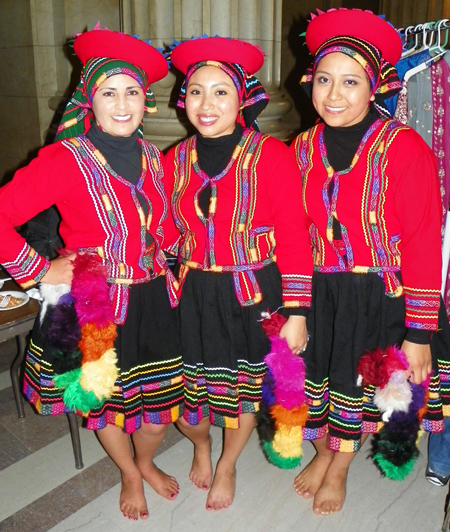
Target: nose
{"points": [[334, 93], [207, 101], [121, 101]]}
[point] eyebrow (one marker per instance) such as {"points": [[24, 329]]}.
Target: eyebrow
{"points": [[346, 75], [214, 85], [115, 88]]}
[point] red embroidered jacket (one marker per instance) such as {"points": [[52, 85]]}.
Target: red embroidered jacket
{"points": [[255, 217], [389, 208], [99, 213]]}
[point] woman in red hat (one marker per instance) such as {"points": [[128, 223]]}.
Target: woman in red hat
{"points": [[371, 194], [235, 199], [106, 341]]}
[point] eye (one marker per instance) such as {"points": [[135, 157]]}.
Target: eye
{"points": [[194, 92], [321, 79], [221, 92], [133, 92], [351, 82]]}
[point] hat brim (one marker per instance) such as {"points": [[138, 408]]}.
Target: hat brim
{"points": [[355, 23], [115, 45], [222, 49]]}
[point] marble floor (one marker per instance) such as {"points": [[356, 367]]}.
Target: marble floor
{"points": [[41, 490]]}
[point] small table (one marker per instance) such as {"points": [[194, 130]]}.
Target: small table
{"points": [[18, 323]]}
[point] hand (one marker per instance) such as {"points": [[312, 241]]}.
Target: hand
{"points": [[60, 271], [419, 360], [295, 333]]}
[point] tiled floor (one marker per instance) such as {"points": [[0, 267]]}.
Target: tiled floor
{"points": [[40, 489]]}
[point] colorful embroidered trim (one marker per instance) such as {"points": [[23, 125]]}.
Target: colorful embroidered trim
{"points": [[297, 287], [220, 393], [422, 308], [28, 267], [243, 241], [153, 391], [99, 178]]}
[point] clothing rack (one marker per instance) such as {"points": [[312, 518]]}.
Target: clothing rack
{"points": [[429, 34]]}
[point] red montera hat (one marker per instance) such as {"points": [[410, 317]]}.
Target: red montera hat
{"points": [[115, 45], [222, 49], [354, 23]]}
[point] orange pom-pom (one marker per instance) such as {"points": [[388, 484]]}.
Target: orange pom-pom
{"points": [[424, 408], [94, 342], [290, 418]]}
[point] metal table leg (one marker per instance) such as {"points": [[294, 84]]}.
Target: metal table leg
{"points": [[15, 375], [76, 444]]}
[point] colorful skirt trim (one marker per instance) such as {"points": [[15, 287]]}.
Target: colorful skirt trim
{"points": [[350, 316], [149, 386]]}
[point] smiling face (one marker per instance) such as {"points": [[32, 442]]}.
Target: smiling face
{"points": [[212, 102], [118, 105], [341, 91]]}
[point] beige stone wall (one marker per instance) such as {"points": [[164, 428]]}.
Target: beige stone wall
{"points": [[36, 68], [17, 84]]}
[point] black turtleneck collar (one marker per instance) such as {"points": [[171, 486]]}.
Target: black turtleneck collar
{"points": [[122, 153], [342, 142], [214, 154]]}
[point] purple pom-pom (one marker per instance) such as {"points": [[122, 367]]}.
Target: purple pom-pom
{"points": [[64, 331]]}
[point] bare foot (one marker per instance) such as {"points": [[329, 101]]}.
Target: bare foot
{"points": [[221, 494], [161, 482], [132, 499], [201, 469], [331, 494], [310, 478]]}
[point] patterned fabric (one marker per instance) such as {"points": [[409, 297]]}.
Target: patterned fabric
{"points": [[223, 346], [252, 247], [246, 154], [383, 78], [440, 91], [351, 316], [78, 114], [383, 247], [98, 175], [28, 267], [251, 93], [149, 387]]}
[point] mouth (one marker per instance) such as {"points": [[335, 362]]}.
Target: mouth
{"points": [[122, 118], [334, 110], [207, 120]]}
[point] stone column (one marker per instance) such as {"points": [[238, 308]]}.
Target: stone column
{"points": [[256, 21]]}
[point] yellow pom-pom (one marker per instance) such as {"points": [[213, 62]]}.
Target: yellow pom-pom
{"points": [[288, 442], [99, 376]]}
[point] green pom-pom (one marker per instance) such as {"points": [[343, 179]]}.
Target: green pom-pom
{"points": [[390, 470], [74, 396], [65, 379], [274, 458], [77, 398]]}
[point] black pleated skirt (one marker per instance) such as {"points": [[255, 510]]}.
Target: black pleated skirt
{"points": [[149, 360], [223, 345], [351, 315]]}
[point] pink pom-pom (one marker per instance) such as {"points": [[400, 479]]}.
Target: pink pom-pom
{"points": [[91, 291], [288, 371]]}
